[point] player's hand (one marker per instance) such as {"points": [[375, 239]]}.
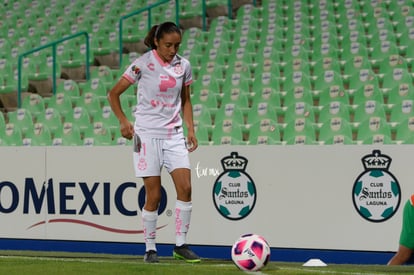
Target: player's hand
{"points": [[192, 143], [127, 129]]}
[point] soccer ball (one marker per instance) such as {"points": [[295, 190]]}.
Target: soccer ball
{"points": [[250, 252]]}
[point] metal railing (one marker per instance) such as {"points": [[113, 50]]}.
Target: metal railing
{"points": [[52, 44]]}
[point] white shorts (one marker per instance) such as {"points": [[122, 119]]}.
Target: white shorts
{"points": [[151, 154]]}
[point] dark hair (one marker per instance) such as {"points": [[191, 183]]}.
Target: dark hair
{"points": [[157, 31]]}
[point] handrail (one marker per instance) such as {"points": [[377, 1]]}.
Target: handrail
{"points": [[147, 8], [53, 45]]}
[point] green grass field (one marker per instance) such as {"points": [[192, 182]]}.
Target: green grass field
{"points": [[18, 262]]}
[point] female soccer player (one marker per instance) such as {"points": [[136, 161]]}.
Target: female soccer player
{"points": [[164, 80]]}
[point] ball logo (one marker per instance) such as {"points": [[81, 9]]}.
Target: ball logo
{"points": [[234, 192], [376, 192]]}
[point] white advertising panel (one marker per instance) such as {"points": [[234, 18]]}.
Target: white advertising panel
{"points": [[319, 197]]}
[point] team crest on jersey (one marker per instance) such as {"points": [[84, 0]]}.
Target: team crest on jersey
{"points": [[178, 69], [151, 66], [135, 69]]}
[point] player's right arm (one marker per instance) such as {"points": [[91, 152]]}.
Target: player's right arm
{"points": [[126, 128]]}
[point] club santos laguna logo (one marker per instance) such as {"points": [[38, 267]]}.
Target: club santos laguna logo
{"points": [[234, 192], [376, 192]]}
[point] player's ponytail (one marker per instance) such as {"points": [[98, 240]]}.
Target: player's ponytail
{"points": [[157, 31]]}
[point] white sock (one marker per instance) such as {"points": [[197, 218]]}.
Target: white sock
{"points": [[149, 222], [182, 221]]}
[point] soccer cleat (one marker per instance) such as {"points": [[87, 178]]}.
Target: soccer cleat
{"points": [[151, 256], [185, 253]]}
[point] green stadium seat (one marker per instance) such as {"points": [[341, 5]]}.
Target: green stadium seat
{"points": [[334, 109], [260, 110], [52, 119], [231, 113], [237, 97], [299, 131], [202, 117], [62, 103], [40, 136], [81, 119], [35, 104], [71, 135], [265, 131], [373, 128], [368, 109], [23, 119], [227, 133], [207, 98], [12, 135], [336, 130], [298, 109], [91, 103], [109, 119], [404, 132], [368, 91], [97, 135], [70, 88]]}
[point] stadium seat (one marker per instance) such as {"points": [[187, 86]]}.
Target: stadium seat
{"points": [[40, 136], [368, 109], [368, 91], [206, 98], [109, 119], [335, 130], [23, 119], [52, 119], [334, 109], [373, 128], [71, 135], [299, 131], [227, 133], [320, 66], [260, 110], [61, 102], [265, 131], [80, 118], [95, 86], [298, 94], [355, 64], [394, 78], [405, 131], [35, 104], [326, 80], [97, 135], [229, 112], [12, 135], [202, 117], [70, 88], [237, 97], [299, 109], [91, 103], [401, 111], [360, 78]]}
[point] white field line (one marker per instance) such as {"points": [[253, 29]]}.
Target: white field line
{"points": [[326, 271]]}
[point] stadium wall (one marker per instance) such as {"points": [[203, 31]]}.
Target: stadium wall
{"points": [[342, 204]]}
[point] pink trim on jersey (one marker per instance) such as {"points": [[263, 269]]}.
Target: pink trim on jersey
{"points": [[412, 200], [159, 59], [188, 83], [130, 80]]}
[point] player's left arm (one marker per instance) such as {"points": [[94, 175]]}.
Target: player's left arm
{"points": [[187, 109]]}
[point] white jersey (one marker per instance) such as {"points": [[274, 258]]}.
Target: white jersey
{"points": [[159, 93]]}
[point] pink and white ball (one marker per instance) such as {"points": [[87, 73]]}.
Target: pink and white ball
{"points": [[250, 252]]}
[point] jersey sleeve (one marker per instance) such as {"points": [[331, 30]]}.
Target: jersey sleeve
{"points": [[133, 72]]}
